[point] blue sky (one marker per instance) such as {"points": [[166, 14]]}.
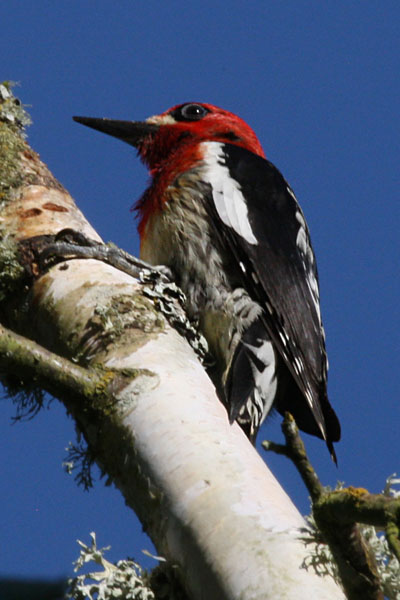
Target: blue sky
{"points": [[319, 83]]}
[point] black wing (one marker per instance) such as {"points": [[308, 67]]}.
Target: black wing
{"points": [[277, 263]]}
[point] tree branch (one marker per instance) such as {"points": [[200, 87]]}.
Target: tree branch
{"points": [[336, 515]]}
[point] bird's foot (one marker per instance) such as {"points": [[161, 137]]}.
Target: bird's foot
{"points": [[71, 244]]}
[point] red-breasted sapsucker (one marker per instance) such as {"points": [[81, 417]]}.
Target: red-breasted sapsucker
{"points": [[229, 227]]}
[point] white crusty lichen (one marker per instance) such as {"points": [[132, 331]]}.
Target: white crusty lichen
{"points": [[11, 108], [387, 563], [121, 580]]}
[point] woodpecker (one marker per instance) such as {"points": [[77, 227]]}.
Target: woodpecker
{"points": [[225, 222]]}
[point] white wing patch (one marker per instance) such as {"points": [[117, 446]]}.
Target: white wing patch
{"points": [[302, 239], [228, 198], [304, 247], [291, 192]]}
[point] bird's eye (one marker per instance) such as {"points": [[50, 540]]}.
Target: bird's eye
{"points": [[190, 112]]}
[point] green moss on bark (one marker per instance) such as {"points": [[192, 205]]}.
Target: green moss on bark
{"points": [[13, 120], [11, 271]]}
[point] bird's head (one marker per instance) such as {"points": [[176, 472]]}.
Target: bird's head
{"points": [[183, 126]]}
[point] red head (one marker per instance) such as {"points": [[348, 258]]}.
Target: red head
{"points": [[181, 126]]}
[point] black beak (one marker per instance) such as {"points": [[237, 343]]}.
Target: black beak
{"points": [[131, 132]]}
